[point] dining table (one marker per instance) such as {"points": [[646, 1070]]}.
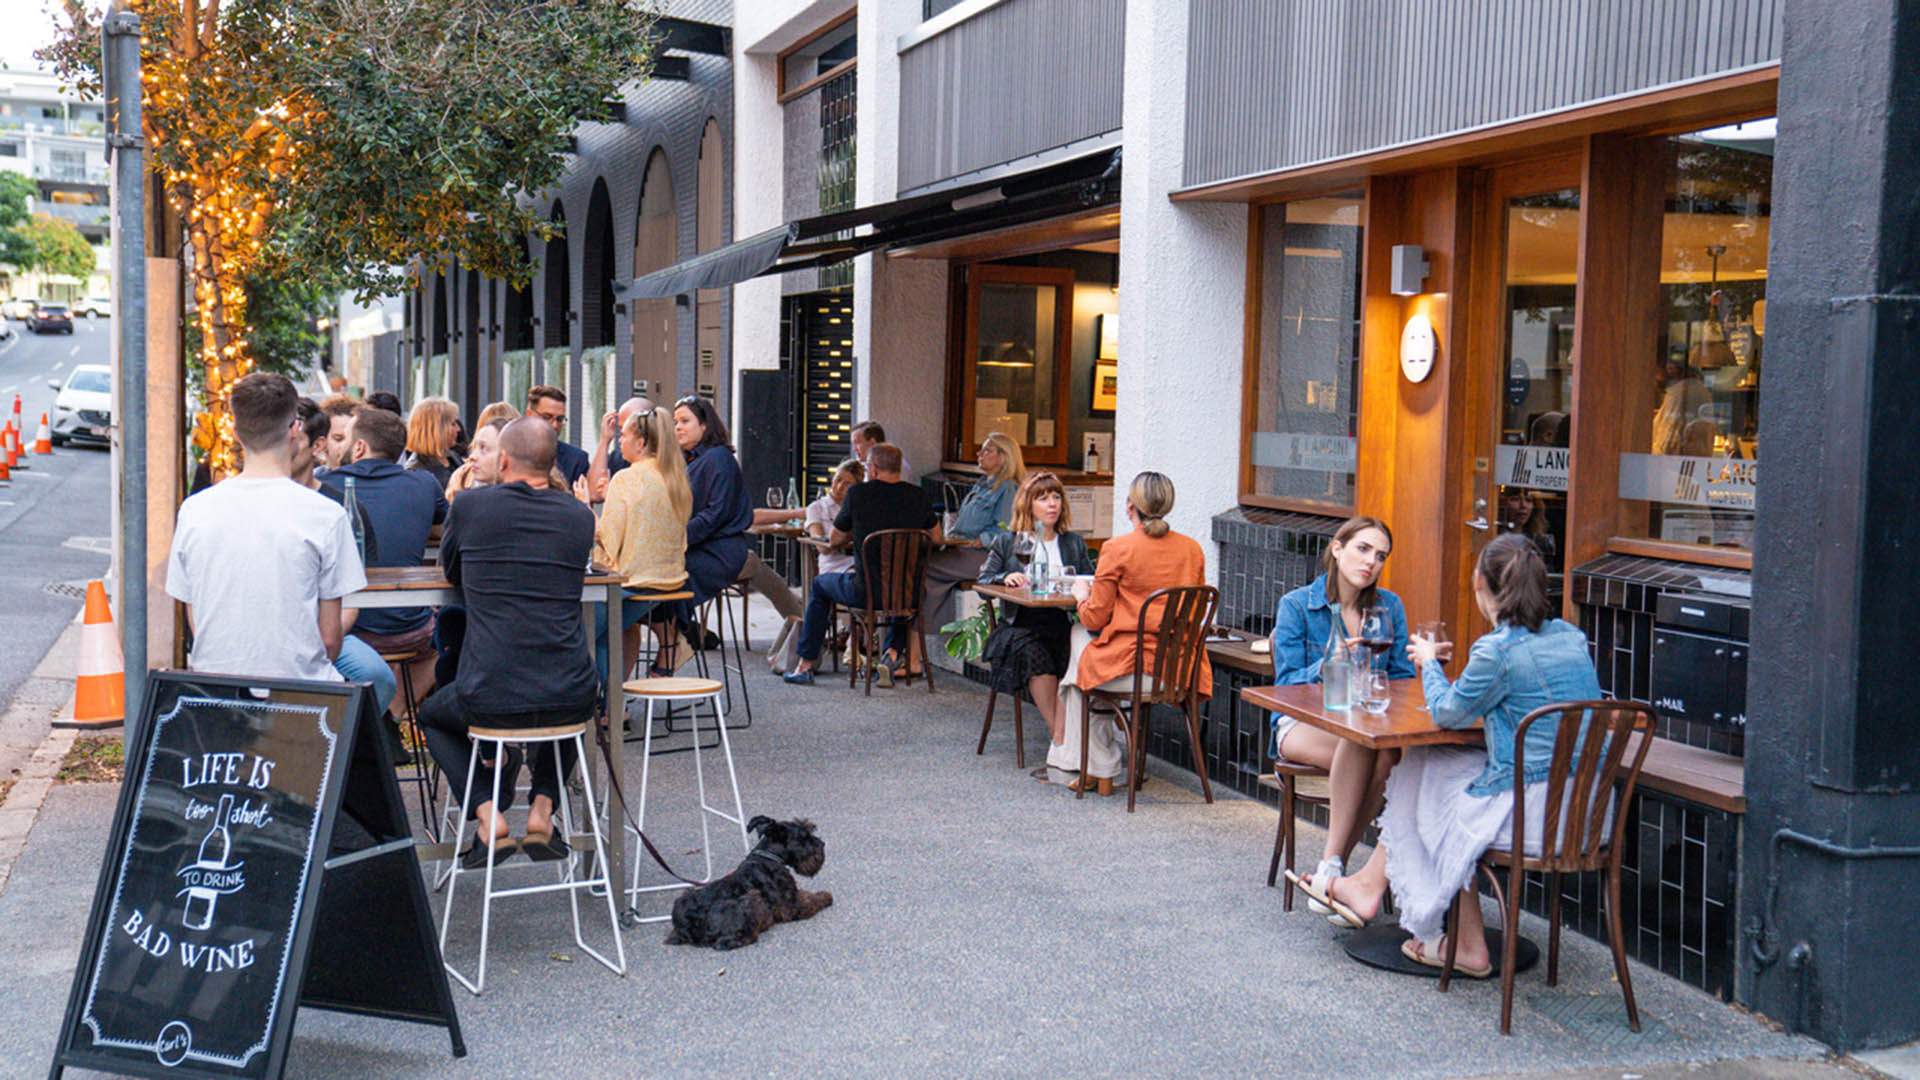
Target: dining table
{"points": [[427, 586], [1403, 725]]}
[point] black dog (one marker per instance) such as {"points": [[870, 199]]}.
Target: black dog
{"points": [[738, 908]]}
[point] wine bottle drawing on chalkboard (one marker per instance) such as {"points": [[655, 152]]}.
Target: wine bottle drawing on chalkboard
{"points": [[215, 847]]}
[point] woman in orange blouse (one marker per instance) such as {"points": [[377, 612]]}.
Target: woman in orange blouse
{"points": [[1132, 567]]}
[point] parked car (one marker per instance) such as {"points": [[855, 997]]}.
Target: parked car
{"points": [[83, 413], [50, 319], [19, 307], [94, 307]]}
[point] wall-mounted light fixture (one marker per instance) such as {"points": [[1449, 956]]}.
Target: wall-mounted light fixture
{"points": [[1409, 270]]}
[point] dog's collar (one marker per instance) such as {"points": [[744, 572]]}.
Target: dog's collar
{"points": [[767, 855]]}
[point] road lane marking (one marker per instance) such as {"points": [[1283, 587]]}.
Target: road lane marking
{"points": [[9, 389], [75, 351], [60, 365]]}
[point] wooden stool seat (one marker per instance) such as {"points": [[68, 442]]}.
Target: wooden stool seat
{"points": [[1310, 782], [673, 686], [534, 734], [408, 656], [657, 597]]}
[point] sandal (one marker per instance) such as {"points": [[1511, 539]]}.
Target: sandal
{"points": [[1102, 785], [549, 848], [1342, 915], [1416, 950], [475, 857]]}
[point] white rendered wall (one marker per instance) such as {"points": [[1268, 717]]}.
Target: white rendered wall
{"points": [[1182, 287]]}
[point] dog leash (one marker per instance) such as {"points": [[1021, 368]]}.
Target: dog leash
{"points": [[602, 736]]}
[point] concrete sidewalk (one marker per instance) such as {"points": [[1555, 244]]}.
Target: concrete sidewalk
{"points": [[983, 924]]}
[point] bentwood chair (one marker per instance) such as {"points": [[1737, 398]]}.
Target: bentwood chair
{"points": [[1171, 676], [896, 568], [993, 696], [1289, 774], [1590, 785]]}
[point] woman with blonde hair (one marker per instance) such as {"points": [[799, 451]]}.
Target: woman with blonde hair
{"points": [[1132, 568], [984, 514], [642, 533], [431, 429], [1028, 649]]}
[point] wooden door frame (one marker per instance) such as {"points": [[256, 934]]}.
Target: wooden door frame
{"points": [[1062, 279], [1486, 368]]}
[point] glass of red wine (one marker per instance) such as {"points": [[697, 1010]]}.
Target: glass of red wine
{"points": [[1376, 633]]}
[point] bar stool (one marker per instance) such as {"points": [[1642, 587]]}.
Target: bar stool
{"points": [[569, 881], [424, 779], [732, 631], [1289, 774], [693, 692]]}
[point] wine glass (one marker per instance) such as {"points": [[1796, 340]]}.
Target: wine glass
{"points": [[1436, 631], [1374, 633]]}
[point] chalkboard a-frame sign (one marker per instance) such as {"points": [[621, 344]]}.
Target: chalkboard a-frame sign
{"points": [[260, 860]]}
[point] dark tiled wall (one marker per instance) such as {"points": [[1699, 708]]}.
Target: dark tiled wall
{"points": [[1264, 554], [1617, 595]]}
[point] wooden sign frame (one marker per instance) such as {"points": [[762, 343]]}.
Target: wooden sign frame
{"points": [[368, 848]]}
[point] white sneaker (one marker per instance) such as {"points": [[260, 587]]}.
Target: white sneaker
{"points": [[1322, 879]]}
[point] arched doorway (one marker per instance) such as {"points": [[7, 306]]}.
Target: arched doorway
{"points": [[556, 336], [516, 343], [709, 340], [656, 244]]}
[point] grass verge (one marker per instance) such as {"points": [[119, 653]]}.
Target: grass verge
{"points": [[94, 759]]}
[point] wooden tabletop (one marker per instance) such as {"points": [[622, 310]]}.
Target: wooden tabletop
{"points": [[1405, 723], [1239, 655], [1025, 597], [819, 543], [429, 578], [792, 532]]}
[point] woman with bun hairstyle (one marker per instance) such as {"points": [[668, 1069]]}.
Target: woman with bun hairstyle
{"points": [[1132, 567], [1348, 585], [1447, 805]]}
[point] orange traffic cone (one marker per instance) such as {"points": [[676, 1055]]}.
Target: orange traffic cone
{"points": [[11, 436], [100, 685], [43, 441]]}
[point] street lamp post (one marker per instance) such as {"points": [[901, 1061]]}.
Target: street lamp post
{"points": [[121, 56]]}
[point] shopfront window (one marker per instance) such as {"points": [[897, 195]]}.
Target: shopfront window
{"points": [[1305, 407], [1699, 470], [1531, 464], [1019, 335]]}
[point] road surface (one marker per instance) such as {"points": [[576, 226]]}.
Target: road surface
{"points": [[55, 517]]}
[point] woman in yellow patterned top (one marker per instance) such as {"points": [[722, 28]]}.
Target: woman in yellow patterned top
{"points": [[643, 525]]}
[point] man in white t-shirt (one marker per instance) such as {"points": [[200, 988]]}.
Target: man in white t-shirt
{"points": [[260, 561]]}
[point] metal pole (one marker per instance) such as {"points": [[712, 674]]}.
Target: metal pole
{"points": [[124, 146]]}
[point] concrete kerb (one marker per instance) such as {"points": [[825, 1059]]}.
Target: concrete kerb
{"points": [[31, 747]]}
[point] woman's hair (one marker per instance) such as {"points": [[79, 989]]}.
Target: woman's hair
{"points": [[499, 410], [1151, 496], [1038, 484], [1344, 535], [1516, 577], [1536, 523], [428, 436], [1013, 468], [851, 467], [654, 429], [710, 422]]}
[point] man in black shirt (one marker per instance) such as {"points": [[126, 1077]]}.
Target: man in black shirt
{"points": [[517, 551], [883, 502]]}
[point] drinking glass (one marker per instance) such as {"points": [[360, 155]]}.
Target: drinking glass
{"points": [[1377, 692], [1376, 633], [1436, 631]]}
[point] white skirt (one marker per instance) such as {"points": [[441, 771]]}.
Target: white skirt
{"points": [[1435, 832], [1106, 739]]}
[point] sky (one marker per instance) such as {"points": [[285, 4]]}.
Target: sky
{"points": [[28, 26]]}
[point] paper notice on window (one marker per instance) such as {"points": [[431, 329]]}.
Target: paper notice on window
{"points": [[1543, 468], [1042, 433], [991, 415]]}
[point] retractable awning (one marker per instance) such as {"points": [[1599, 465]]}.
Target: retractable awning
{"points": [[1063, 188]]}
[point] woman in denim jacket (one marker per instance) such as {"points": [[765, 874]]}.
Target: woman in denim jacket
{"points": [[1347, 586], [1447, 805]]}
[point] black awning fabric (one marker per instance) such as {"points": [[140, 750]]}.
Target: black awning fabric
{"points": [[1051, 191]]}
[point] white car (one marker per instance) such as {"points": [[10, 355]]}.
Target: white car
{"points": [[94, 307], [83, 413], [19, 307]]}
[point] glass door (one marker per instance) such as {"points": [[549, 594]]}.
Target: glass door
{"points": [[1528, 236], [1019, 338]]}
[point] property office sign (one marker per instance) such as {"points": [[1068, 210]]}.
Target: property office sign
{"points": [[1299, 450], [1543, 468], [1722, 483]]}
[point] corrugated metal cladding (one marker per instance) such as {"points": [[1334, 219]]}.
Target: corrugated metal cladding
{"points": [[1273, 84], [1019, 78]]}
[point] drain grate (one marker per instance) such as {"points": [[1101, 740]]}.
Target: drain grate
{"points": [[1599, 1019], [72, 590]]}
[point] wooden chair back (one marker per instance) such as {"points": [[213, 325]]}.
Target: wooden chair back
{"points": [[1583, 774], [1180, 642], [895, 563]]}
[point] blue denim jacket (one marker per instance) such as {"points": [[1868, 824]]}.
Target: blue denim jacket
{"points": [[1304, 622], [986, 510], [1511, 672]]}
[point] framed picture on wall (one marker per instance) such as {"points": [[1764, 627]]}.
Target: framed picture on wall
{"points": [[1106, 387]]}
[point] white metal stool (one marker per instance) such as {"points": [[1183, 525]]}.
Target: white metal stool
{"points": [[569, 881], [693, 691]]}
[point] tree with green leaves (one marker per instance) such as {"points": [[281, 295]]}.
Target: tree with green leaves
{"points": [[58, 248], [337, 140], [16, 198]]}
